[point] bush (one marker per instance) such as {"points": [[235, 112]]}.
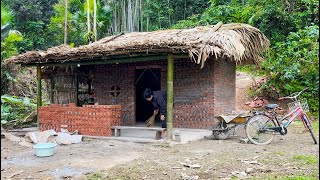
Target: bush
{"points": [[294, 65], [15, 109]]}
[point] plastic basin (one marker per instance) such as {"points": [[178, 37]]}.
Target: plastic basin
{"points": [[44, 149]]}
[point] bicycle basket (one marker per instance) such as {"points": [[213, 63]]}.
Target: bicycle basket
{"points": [[303, 102]]}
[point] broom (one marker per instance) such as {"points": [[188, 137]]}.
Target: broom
{"points": [[151, 120]]}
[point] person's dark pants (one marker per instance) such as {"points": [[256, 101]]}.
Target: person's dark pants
{"points": [[163, 123]]}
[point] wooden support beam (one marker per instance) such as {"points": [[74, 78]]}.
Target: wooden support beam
{"points": [[170, 96], [39, 94], [110, 60], [77, 89]]}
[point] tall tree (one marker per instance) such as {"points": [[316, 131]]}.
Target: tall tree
{"points": [[95, 19], [66, 23], [88, 16]]}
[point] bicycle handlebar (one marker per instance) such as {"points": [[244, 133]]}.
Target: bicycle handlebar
{"points": [[292, 97]]}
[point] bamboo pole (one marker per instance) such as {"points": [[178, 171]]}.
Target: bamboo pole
{"points": [[39, 94], [170, 96]]}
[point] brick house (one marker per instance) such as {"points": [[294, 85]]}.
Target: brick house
{"points": [[195, 66]]}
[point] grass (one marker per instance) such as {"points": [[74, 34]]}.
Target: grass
{"points": [[315, 125], [96, 176], [272, 177], [299, 124], [280, 153], [306, 159]]}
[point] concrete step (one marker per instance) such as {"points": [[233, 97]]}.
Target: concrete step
{"points": [[125, 139]]}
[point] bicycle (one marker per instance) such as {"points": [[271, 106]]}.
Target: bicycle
{"points": [[262, 127]]}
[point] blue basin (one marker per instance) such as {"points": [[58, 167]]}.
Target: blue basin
{"points": [[44, 149]]}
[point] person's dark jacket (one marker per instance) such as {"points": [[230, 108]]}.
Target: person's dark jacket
{"points": [[159, 100]]}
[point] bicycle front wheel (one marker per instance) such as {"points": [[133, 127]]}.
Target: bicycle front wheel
{"points": [[308, 125], [256, 129]]}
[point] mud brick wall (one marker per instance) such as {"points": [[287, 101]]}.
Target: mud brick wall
{"points": [[199, 94], [93, 120]]}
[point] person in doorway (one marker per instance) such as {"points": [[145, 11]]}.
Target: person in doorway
{"points": [[159, 102]]}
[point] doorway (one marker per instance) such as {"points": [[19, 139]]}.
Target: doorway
{"points": [[145, 78]]}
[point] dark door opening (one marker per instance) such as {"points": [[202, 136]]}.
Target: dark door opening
{"points": [[145, 78]]}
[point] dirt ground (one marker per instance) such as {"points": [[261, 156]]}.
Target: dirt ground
{"points": [[294, 155]]}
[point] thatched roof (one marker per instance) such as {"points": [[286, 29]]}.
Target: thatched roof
{"points": [[239, 42]]}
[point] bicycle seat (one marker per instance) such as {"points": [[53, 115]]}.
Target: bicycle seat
{"points": [[271, 106]]}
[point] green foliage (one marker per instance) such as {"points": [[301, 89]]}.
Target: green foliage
{"points": [[274, 18], [164, 14], [89, 37], [13, 108], [31, 17], [8, 47], [294, 65], [5, 15]]}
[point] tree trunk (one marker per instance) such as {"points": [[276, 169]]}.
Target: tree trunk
{"points": [[88, 16], [169, 18], [136, 16], [147, 23], [115, 19], [141, 22], [65, 23], [159, 20], [95, 19], [184, 10], [129, 19], [124, 17]]}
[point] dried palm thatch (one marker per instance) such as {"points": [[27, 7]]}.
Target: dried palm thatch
{"points": [[239, 42]]}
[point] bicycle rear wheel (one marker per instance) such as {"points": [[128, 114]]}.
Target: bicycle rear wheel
{"points": [[308, 125], [256, 132]]}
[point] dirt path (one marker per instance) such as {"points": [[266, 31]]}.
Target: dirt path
{"points": [[293, 156], [243, 82]]}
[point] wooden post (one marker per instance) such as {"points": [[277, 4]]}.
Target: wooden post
{"points": [[170, 96], [51, 89], [39, 94], [77, 89]]}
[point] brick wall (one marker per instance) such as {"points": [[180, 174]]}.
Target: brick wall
{"points": [[224, 86], [88, 120], [199, 94], [122, 75]]}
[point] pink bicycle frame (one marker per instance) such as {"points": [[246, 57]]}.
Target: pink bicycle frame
{"points": [[298, 111]]}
